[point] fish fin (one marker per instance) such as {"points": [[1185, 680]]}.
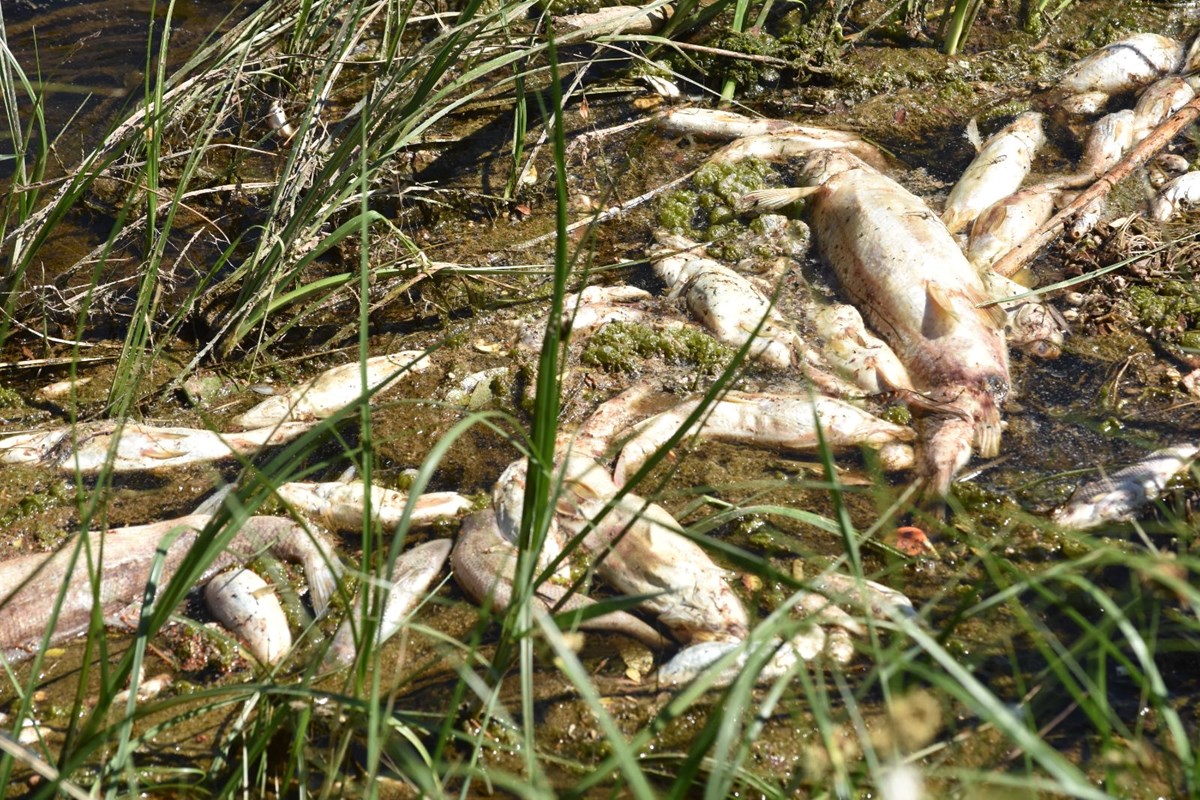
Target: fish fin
{"points": [[995, 314], [775, 199], [954, 219], [988, 431], [940, 315], [972, 134]]}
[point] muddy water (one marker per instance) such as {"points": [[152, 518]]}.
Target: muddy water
{"points": [[1109, 398]]}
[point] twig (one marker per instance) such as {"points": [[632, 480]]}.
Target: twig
{"points": [[1012, 261], [607, 214]]}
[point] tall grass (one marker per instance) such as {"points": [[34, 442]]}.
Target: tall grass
{"points": [[1068, 677]]}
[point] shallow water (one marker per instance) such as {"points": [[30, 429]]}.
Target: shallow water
{"points": [[1108, 400]]}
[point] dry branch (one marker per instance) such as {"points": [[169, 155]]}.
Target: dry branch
{"points": [[1012, 261]]}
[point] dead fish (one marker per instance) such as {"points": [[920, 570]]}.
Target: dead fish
{"points": [[1156, 105], [1131, 63], [1118, 497], [1107, 143], [1086, 104], [586, 312], [332, 390], [30, 586], [248, 606], [996, 172], [1008, 222], [403, 589], [484, 564], [798, 142], [717, 124], [904, 271], [777, 421], [640, 551], [1034, 326], [610, 19], [1177, 194], [138, 448], [856, 352], [340, 506], [730, 306]]}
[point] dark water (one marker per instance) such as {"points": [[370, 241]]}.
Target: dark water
{"points": [[87, 60]]}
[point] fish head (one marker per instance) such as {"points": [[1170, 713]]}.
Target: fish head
{"points": [[825, 164]]}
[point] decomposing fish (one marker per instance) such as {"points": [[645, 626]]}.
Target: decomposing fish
{"points": [[1118, 497], [1008, 222], [339, 506], [403, 589], [120, 561], [619, 18], [589, 310], [904, 271], [856, 352], [717, 124], [996, 171], [637, 547], [1107, 143], [1160, 100], [1175, 195], [798, 142], [1033, 325], [1130, 63], [247, 605], [133, 447], [332, 390], [779, 421], [729, 305], [484, 563]]}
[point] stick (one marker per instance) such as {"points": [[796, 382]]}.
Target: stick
{"points": [[1012, 261]]}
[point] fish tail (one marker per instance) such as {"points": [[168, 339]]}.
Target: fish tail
{"points": [[988, 431]]}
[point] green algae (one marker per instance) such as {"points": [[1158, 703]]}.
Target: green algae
{"points": [[708, 212], [624, 347]]}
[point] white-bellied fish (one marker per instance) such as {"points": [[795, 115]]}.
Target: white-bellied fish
{"points": [[776, 421], [132, 447], [340, 506], [332, 390], [1118, 497], [997, 170], [1175, 195], [904, 271], [1008, 222], [1131, 63], [248, 606]]}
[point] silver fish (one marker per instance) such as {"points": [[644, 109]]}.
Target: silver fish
{"points": [[484, 564], [1160, 100], [1175, 195], [340, 506], [30, 586], [717, 124], [589, 310], [856, 352], [732, 307], [904, 271], [247, 605], [799, 142], [1119, 497], [776, 421], [1008, 222], [407, 585], [1131, 63], [137, 448], [996, 172], [1033, 325], [332, 390], [1107, 143]]}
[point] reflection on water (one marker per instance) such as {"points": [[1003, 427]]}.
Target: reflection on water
{"points": [[88, 59]]}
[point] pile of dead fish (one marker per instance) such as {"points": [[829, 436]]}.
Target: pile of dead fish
{"points": [[945, 317], [926, 320]]}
